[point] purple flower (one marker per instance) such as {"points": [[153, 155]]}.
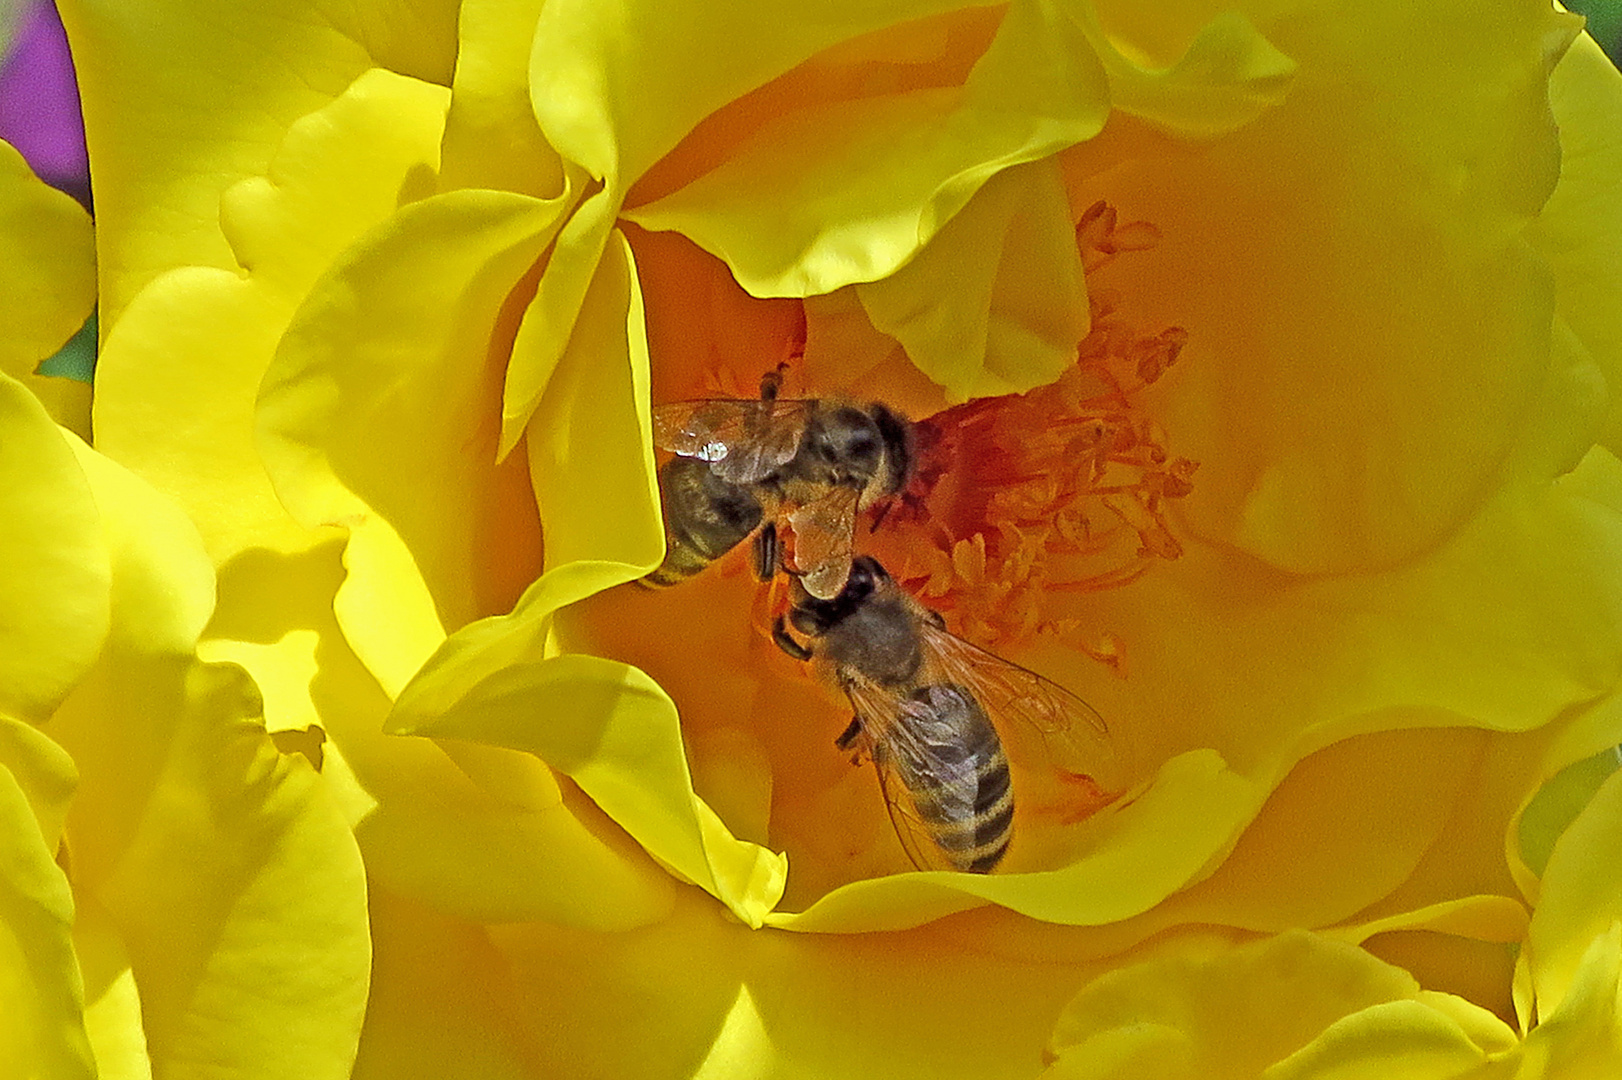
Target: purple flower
{"points": [[39, 101]]}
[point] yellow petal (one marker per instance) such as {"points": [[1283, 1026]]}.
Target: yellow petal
{"points": [[1289, 1005], [54, 577], [491, 137], [1342, 830], [1579, 232], [403, 456], [233, 882], [443, 1002], [590, 450], [48, 278], [1581, 898], [734, 1003], [112, 1000], [377, 415], [475, 831], [1228, 76], [41, 995], [848, 191], [197, 341], [1142, 853], [162, 584], [1558, 803], [42, 773], [611, 730], [1399, 1038], [183, 99], [1485, 918], [615, 102], [1366, 325], [980, 326], [548, 322], [1579, 1037], [1333, 655]]}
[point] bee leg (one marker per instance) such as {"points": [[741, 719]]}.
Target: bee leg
{"points": [[780, 635], [936, 619], [848, 738], [766, 552], [771, 383]]}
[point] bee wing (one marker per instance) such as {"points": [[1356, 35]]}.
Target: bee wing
{"points": [[822, 540], [1071, 736], [743, 439], [885, 741]]}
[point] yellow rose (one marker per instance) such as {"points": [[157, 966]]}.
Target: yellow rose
{"points": [[388, 295], [176, 894]]}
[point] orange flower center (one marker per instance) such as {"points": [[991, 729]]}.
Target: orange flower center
{"points": [[1022, 498]]}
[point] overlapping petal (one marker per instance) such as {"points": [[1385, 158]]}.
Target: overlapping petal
{"points": [[1394, 384], [54, 576], [48, 280], [701, 995], [183, 99], [1366, 320], [1316, 1008], [1579, 231], [228, 876], [41, 993]]}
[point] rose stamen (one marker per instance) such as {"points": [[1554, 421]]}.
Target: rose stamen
{"points": [[1023, 498]]}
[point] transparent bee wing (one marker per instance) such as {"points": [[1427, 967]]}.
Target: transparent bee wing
{"points": [[822, 541], [920, 847], [744, 439], [1044, 727], [1011, 689]]}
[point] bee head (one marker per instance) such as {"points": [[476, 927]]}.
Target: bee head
{"points": [[896, 434], [866, 575], [847, 443], [814, 617]]}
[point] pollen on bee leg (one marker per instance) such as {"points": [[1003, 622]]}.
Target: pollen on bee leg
{"points": [[1020, 499]]}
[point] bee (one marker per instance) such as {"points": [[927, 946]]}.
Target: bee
{"points": [[938, 717], [767, 466]]}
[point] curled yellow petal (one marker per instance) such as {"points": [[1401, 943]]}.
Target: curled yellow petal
{"points": [[1581, 898], [492, 139], [49, 281], [54, 576], [177, 110], [610, 729], [1295, 1005], [41, 994], [1579, 232], [849, 190], [232, 881], [982, 326]]}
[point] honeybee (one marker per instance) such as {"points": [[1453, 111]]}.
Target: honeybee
{"points": [[939, 718], [801, 466]]}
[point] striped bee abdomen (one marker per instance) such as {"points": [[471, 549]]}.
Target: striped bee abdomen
{"points": [[705, 517], [949, 758]]}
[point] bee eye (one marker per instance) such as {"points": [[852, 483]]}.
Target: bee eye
{"points": [[865, 574]]}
